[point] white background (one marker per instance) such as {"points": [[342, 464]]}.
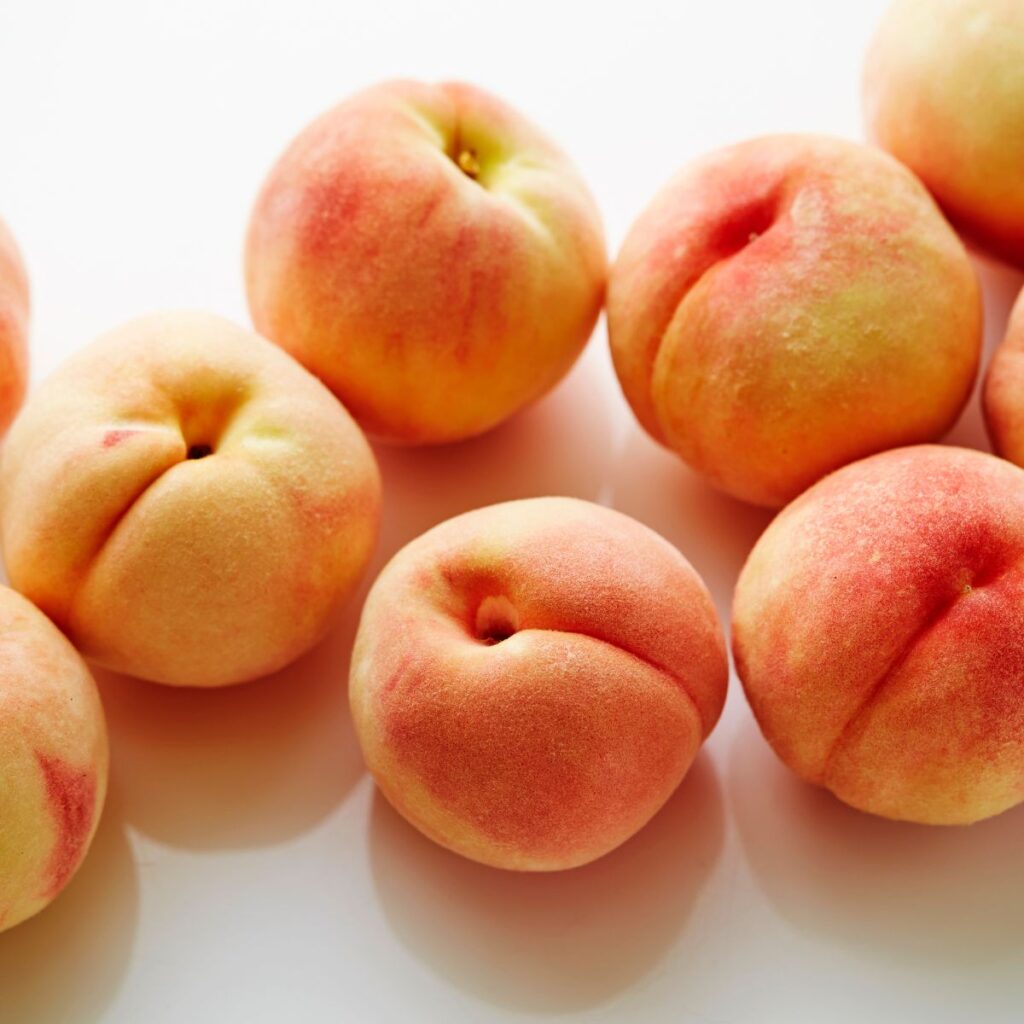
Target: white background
{"points": [[244, 870]]}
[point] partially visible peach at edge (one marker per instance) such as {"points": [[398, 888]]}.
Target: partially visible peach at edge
{"points": [[14, 316], [878, 631], [944, 93], [53, 760], [1003, 396]]}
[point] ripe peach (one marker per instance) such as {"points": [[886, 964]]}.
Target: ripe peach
{"points": [[13, 329], [788, 305], [878, 629], [430, 255], [1004, 390], [531, 681], [53, 769], [944, 92], [187, 502]]}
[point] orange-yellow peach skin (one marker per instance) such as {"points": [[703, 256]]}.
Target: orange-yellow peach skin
{"points": [[878, 630], [531, 681], [1004, 391], [14, 310], [53, 760], [944, 92], [788, 305], [429, 254], [186, 502]]}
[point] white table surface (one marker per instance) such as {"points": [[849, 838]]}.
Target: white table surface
{"points": [[245, 870]]}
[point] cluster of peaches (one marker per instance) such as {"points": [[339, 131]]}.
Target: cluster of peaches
{"points": [[188, 502]]}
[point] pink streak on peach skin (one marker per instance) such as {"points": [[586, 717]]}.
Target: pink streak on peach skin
{"points": [[71, 793], [115, 437]]}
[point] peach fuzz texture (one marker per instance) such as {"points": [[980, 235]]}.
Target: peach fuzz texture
{"points": [[429, 254], [877, 630], [53, 760], [944, 92], [14, 313], [531, 681], [186, 502], [1004, 390], [790, 304]]}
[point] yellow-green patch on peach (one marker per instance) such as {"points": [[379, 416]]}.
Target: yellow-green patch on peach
{"points": [[788, 305]]}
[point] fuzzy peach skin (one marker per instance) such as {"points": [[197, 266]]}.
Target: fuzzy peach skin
{"points": [[186, 502], [429, 254], [790, 304], [1004, 391], [53, 760], [14, 310], [878, 630], [531, 681], [944, 92]]}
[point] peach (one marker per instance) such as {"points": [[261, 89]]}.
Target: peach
{"points": [[790, 304], [53, 769], [1004, 390], [186, 502], [429, 254], [944, 92], [14, 311], [531, 681], [878, 630]]}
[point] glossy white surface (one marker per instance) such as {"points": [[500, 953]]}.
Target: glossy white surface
{"points": [[245, 870]]}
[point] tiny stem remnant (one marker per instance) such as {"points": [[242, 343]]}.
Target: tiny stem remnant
{"points": [[199, 451], [496, 620], [468, 163]]}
